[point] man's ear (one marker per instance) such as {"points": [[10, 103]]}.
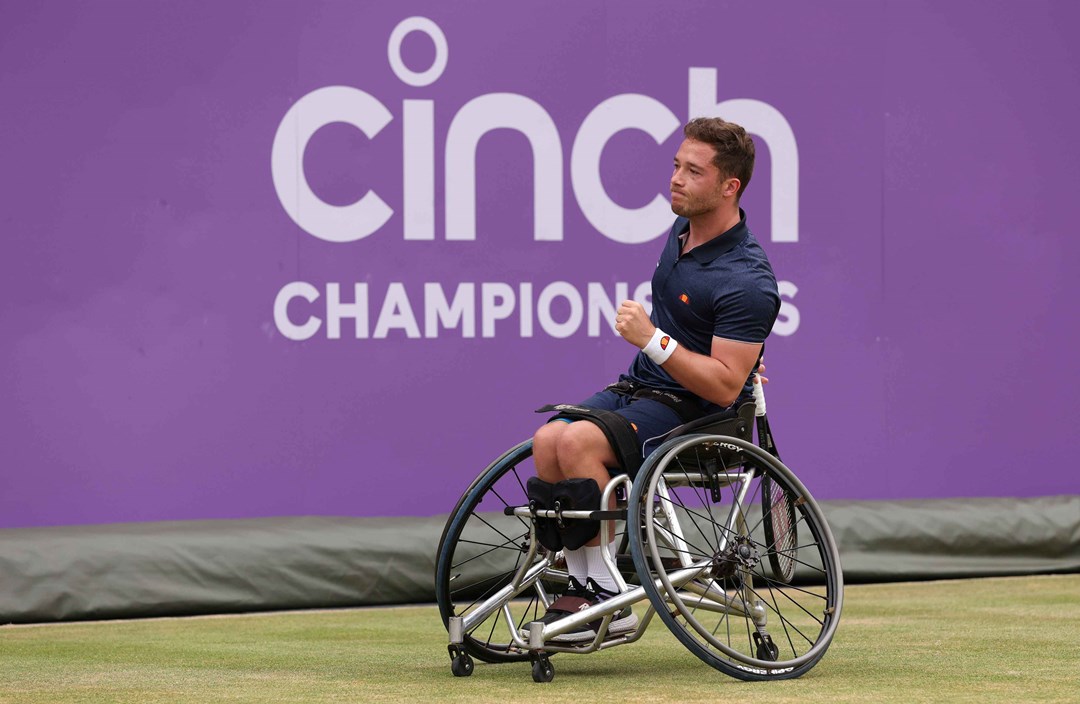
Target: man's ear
{"points": [[730, 187]]}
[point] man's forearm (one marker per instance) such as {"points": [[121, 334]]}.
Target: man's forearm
{"points": [[705, 376]]}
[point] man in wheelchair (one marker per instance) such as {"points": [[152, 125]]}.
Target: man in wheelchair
{"points": [[714, 301]]}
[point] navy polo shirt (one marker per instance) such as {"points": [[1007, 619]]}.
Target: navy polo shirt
{"points": [[723, 288]]}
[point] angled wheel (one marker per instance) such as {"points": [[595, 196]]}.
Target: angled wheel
{"points": [[480, 551], [696, 519]]}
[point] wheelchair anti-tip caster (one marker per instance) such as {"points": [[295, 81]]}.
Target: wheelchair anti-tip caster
{"points": [[542, 669], [460, 662], [766, 648]]}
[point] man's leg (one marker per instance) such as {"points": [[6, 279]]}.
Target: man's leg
{"points": [[545, 451], [563, 450], [584, 453], [570, 451], [579, 450]]}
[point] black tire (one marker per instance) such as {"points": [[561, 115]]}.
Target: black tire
{"points": [[462, 665], [481, 549], [542, 670], [724, 559]]}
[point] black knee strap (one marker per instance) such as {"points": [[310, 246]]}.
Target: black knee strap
{"points": [[547, 532], [619, 432], [567, 495], [577, 495]]}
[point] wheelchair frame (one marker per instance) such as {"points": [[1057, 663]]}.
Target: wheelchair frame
{"points": [[686, 577]]}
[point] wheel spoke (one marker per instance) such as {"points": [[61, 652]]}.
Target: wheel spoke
{"points": [[488, 524], [493, 546]]}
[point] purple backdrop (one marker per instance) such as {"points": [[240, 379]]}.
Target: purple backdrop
{"points": [[160, 361]]}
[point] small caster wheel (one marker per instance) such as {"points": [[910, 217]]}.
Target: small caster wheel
{"points": [[766, 648], [542, 670], [462, 665], [460, 662]]}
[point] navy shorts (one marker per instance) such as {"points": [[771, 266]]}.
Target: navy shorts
{"points": [[650, 419]]}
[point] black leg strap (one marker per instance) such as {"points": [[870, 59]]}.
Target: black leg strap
{"points": [[577, 495], [567, 495], [547, 532], [618, 431]]}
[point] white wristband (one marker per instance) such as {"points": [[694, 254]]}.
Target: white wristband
{"points": [[660, 346]]}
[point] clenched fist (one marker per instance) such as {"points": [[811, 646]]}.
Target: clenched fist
{"points": [[632, 322]]}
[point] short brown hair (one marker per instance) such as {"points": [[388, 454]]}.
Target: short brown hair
{"points": [[733, 146]]}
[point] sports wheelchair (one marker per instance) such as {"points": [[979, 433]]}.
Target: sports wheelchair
{"points": [[715, 532]]}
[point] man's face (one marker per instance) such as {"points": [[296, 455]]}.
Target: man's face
{"points": [[696, 184]]}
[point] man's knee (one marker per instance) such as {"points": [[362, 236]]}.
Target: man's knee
{"points": [[547, 436], [546, 441], [583, 443], [545, 451]]}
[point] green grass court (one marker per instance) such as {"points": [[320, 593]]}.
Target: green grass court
{"points": [[1011, 639]]}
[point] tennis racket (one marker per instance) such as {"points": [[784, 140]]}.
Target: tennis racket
{"points": [[777, 505]]}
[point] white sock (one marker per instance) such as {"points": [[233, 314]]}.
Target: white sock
{"points": [[577, 564], [598, 568]]}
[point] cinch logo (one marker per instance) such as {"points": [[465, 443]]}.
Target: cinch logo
{"points": [[495, 111], [559, 309]]}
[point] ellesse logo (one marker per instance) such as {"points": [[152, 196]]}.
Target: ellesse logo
{"points": [[664, 342]]}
